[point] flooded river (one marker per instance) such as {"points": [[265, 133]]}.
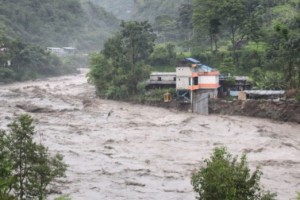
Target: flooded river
{"points": [[118, 150]]}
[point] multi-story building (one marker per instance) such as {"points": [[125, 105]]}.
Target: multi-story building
{"points": [[195, 83], [194, 77]]}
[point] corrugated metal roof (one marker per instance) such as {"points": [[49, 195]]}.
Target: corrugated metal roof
{"points": [[241, 78], [265, 92], [163, 74], [206, 68], [193, 60]]}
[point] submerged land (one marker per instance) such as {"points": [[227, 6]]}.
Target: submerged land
{"points": [[118, 150]]}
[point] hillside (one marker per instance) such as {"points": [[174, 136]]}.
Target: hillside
{"points": [[122, 9], [57, 23], [141, 9], [150, 9]]}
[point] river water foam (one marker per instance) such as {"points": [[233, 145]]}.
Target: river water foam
{"points": [[141, 152]]}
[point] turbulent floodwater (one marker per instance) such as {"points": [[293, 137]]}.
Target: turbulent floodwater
{"points": [[140, 152]]}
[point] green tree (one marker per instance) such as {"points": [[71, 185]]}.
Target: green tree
{"points": [[184, 20], [283, 53], [236, 20], [163, 55], [33, 168], [166, 28], [138, 38], [118, 69], [207, 19], [6, 168], [224, 177], [44, 170], [21, 147]]}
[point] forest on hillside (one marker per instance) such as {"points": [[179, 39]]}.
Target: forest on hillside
{"points": [[258, 38], [28, 27], [57, 23]]}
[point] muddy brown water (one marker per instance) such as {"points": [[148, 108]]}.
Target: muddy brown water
{"points": [[141, 152]]}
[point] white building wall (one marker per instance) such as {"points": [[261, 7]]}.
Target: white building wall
{"points": [[208, 79], [163, 77], [183, 71], [183, 77], [182, 83]]}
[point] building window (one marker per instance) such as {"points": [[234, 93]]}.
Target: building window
{"points": [[195, 81], [174, 78], [159, 78]]}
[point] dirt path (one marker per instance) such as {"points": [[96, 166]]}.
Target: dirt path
{"points": [[140, 152]]}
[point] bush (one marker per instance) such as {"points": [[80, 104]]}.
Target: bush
{"points": [[6, 74], [224, 177]]}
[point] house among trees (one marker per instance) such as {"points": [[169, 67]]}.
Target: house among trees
{"points": [[195, 83], [193, 76], [231, 85]]}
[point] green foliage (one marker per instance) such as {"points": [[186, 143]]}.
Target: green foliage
{"points": [[118, 69], [57, 23], [284, 51], [207, 20], [6, 168], [298, 196], [226, 177], [166, 28], [64, 197], [26, 167], [163, 55], [138, 38], [262, 34], [6, 74], [268, 80], [22, 61]]}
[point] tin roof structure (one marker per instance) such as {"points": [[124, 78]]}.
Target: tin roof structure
{"points": [[206, 68], [264, 92], [192, 60]]}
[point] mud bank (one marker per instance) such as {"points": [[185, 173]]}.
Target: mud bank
{"points": [[283, 111], [143, 152]]}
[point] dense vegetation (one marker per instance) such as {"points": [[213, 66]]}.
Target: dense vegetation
{"points": [[121, 66], [258, 38], [26, 168], [28, 27], [251, 37], [224, 177], [56, 23], [20, 61]]}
